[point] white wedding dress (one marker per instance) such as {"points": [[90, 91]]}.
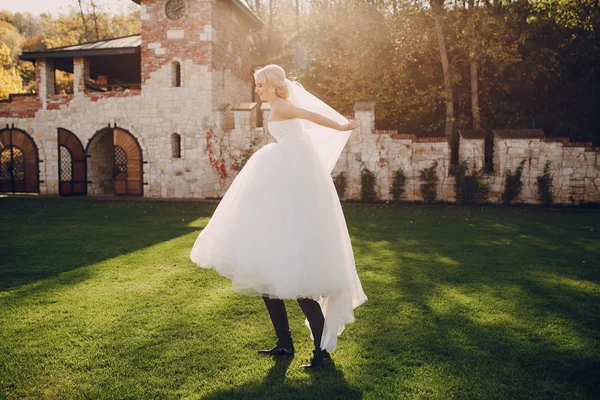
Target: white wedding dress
{"points": [[280, 231]]}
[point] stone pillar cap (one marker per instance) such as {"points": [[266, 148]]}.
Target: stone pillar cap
{"points": [[364, 106], [518, 133], [244, 107]]}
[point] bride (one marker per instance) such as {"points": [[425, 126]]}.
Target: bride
{"points": [[279, 232]]}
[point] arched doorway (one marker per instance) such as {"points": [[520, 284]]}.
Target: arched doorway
{"points": [[72, 171], [19, 162], [114, 163]]}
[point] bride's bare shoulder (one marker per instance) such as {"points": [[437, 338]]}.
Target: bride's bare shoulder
{"points": [[280, 103], [281, 108]]}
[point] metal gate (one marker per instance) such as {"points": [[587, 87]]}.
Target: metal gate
{"points": [[72, 169], [19, 162]]}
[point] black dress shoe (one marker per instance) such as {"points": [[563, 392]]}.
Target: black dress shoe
{"points": [[278, 351], [321, 358]]}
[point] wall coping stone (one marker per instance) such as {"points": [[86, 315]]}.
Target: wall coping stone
{"points": [[385, 131], [364, 106], [556, 140], [518, 133], [578, 144], [405, 136], [244, 107], [471, 133], [431, 140]]}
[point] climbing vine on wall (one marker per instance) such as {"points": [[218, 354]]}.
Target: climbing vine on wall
{"points": [[216, 159]]}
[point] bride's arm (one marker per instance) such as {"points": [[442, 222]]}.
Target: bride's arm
{"points": [[284, 109]]}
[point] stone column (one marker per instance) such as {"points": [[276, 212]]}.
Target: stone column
{"points": [[45, 79], [265, 108], [364, 114], [81, 73], [244, 116], [471, 148], [221, 117]]}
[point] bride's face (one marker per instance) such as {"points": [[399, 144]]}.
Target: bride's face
{"points": [[262, 91]]}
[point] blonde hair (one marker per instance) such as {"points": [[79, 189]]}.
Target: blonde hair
{"points": [[273, 77]]}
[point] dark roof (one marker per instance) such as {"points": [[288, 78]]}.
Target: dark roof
{"points": [[471, 133], [243, 6], [122, 45], [518, 133]]}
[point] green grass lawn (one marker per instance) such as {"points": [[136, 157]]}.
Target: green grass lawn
{"points": [[99, 300]]}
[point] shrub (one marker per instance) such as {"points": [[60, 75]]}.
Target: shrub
{"points": [[398, 184], [429, 179], [340, 183], [544, 184], [513, 184], [367, 186], [469, 188]]}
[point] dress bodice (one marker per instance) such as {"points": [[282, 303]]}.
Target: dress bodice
{"points": [[286, 129]]}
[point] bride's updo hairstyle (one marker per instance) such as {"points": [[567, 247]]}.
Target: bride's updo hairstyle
{"points": [[273, 77]]}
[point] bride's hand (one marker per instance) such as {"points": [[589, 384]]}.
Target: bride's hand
{"points": [[351, 125]]}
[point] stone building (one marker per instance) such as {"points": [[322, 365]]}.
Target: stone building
{"points": [[141, 106]]}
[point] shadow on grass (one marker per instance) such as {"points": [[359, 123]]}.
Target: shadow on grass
{"points": [[482, 307], [42, 238], [325, 383]]}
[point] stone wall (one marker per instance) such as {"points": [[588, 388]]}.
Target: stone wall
{"points": [[384, 152], [214, 150], [575, 167]]}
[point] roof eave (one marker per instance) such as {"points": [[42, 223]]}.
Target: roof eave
{"points": [[33, 55]]}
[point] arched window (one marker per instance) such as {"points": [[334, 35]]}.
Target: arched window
{"points": [[120, 164], [66, 164], [175, 146], [176, 74]]}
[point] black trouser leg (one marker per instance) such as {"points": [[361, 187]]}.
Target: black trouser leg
{"points": [[315, 317], [279, 318]]}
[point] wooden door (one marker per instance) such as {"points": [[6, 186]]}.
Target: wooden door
{"points": [[19, 162], [128, 164], [72, 169]]}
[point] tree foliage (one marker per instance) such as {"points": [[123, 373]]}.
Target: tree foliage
{"points": [[10, 80], [26, 32], [536, 61]]}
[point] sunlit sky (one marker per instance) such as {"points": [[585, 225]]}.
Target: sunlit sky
{"points": [[57, 6]]}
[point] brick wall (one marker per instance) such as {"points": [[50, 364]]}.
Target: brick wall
{"points": [[231, 62], [20, 106], [164, 39]]}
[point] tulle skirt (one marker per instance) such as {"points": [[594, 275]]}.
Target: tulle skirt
{"points": [[280, 232]]}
